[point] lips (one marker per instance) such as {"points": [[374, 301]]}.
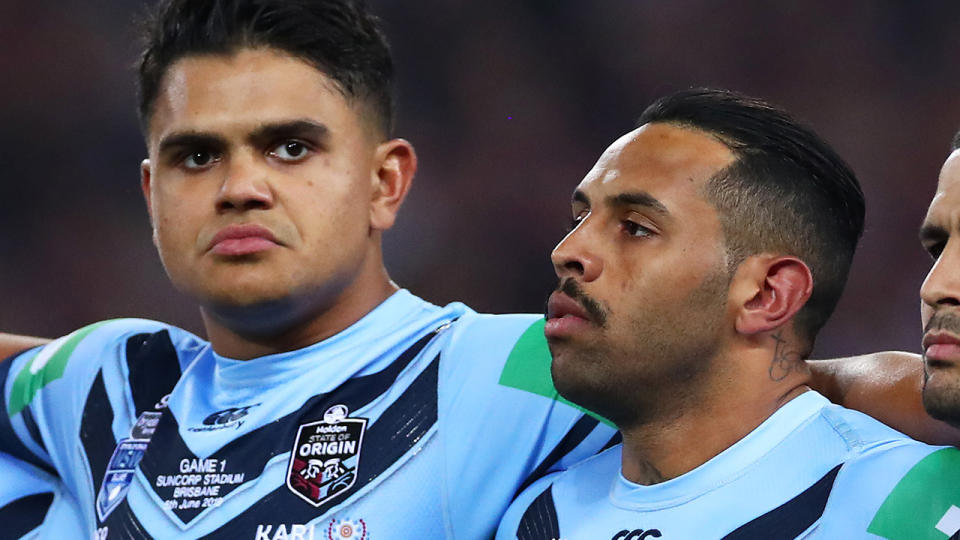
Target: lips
{"points": [[238, 240], [941, 348], [565, 316]]}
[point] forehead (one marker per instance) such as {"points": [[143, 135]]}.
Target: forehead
{"points": [[944, 209], [663, 160], [244, 89]]}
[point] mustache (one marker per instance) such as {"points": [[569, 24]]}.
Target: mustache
{"points": [[595, 311], [945, 320]]}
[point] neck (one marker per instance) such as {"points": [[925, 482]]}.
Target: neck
{"points": [[296, 322], [694, 431]]}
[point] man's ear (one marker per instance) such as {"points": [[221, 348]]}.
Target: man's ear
{"points": [[396, 164], [771, 289]]}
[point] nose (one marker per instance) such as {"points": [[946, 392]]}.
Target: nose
{"points": [[245, 187], [576, 255], [942, 285]]}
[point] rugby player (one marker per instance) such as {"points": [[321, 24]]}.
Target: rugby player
{"points": [[328, 402], [272, 174], [940, 292], [708, 248], [910, 383]]}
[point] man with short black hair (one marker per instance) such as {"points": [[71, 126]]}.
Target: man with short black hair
{"points": [[708, 247], [328, 402]]}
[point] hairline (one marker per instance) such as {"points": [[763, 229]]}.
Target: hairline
{"points": [[361, 104]]}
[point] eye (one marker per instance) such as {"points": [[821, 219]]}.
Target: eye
{"points": [[201, 159], [633, 228], [290, 151], [574, 222]]}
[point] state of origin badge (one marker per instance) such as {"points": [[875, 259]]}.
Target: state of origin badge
{"points": [[325, 456]]}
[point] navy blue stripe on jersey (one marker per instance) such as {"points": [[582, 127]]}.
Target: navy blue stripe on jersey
{"points": [[154, 369], [9, 441], [956, 536], [615, 440], [791, 518], [96, 433], [24, 514], [32, 428], [539, 521], [257, 447], [392, 435], [584, 426]]}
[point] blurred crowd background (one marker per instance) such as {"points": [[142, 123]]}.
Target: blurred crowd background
{"points": [[509, 103]]}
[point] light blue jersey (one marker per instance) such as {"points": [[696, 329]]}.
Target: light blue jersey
{"points": [[33, 504], [811, 470], [417, 421]]}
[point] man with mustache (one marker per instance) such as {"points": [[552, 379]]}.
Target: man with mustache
{"points": [[708, 248], [328, 402], [940, 292]]}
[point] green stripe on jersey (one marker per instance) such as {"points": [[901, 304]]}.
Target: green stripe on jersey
{"points": [[924, 504], [47, 366], [528, 368]]}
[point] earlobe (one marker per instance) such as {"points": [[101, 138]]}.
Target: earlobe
{"points": [[145, 180], [779, 288], [396, 165]]}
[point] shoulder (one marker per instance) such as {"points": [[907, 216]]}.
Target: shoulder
{"points": [[506, 347], [891, 485], [77, 356]]}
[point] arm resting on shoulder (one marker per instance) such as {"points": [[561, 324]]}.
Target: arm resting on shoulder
{"points": [[887, 386], [11, 344]]}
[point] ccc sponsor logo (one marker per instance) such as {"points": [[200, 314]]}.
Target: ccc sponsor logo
{"points": [[636, 534], [227, 416]]}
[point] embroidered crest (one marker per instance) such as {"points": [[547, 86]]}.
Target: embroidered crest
{"points": [[126, 456], [325, 456]]}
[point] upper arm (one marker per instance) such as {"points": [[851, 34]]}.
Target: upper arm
{"points": [[886, 385]]}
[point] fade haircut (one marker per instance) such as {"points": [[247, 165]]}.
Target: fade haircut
{"points": [[340, 38], [786, 192]]}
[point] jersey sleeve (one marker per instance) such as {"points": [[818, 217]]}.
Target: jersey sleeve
{"points": [[45, 391], [33, 504], [502, 423]]}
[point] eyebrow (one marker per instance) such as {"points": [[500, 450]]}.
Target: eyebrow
{"points": [[630, 198], [188, 139], [638, 198], [263, 133], [317, 132], [932, 233]]}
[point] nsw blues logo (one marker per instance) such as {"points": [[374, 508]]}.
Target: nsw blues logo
{"points": [[126, 456], [325, 456]]}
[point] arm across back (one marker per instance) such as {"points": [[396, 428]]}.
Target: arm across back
{"points": [[11, 344], [886, 385]]}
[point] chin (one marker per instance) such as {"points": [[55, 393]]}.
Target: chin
{"points": [[581, 381], [941, 396]]}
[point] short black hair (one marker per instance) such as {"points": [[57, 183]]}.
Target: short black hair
{"points": [[955, 142], [787, 191], [341, 38]]}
